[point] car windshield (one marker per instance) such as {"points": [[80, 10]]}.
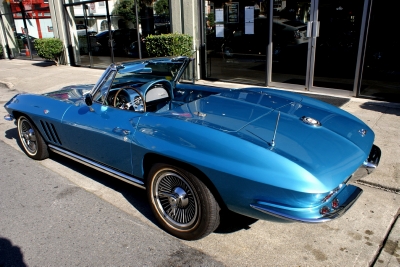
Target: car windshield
{"points": [[144, 71]]}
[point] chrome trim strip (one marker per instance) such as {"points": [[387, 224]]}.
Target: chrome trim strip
{"points": [[99, 167], [9, 117], [112, 67], [183, 67], [362, 45], [287, 217], [268, 54], [369, 166], [312, 44], [325, 218]]}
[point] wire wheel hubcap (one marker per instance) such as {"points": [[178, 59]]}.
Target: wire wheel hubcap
{"points": [[175, 200], [28, 136]]}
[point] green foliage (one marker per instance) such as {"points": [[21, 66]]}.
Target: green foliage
{"points": [[125, 9], [161, 7], [173, 44], [49, 48], [211, 19], [20, 44]]}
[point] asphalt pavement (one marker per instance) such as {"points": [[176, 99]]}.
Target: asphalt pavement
{"points": [[368, 234], [48, 221]]}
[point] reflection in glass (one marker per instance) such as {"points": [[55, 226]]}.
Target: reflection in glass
{"points": [[337, 44], [87, 22], [236, 40], [37, 25], [289, 41], [153, 18], [381, 70], [97, 45]]}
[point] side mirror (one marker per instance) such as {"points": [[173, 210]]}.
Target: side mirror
{"points": [[89, 99]]}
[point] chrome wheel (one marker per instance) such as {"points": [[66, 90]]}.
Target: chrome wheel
{"points": [[27, 136], [175, 200], [31, 140], [181, 202]]}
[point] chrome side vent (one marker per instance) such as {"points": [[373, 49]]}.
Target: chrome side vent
{"points": [[50, 131]]}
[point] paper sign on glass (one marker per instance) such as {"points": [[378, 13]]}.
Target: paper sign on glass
{"points": [[219, 30], [219, 15], [249, 20]]}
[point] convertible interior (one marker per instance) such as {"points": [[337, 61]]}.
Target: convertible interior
{"points": [[153, 96], [149, 88]]}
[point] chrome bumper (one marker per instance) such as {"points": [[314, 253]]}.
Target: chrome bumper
{"points": [[9, 117], [369, 165], [347, 197]]}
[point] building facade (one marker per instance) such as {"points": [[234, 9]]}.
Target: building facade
{"points": [[346, 48]]}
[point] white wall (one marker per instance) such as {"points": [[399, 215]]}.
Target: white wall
{"points": [[185, 19]]}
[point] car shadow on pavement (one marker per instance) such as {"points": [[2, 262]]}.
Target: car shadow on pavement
{"points": [[13, 134], [44, 64], [230, 222], [134, 195], [387, 108]]}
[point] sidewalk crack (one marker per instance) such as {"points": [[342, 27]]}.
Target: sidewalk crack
{"points": [[378, 186]]}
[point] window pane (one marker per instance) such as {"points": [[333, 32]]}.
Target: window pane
{"points": [[381, 71]]}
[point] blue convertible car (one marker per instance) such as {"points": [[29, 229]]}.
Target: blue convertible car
{"points": [[198, 149]]}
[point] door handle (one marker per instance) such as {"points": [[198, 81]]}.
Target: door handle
{"points": [[312, 29], [316, 29], [309, 27]]}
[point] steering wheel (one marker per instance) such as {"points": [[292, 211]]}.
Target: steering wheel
{"points": [[138, 103], [148, 86]]}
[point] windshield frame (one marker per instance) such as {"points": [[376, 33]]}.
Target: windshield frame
{"points": [[138, 71]]}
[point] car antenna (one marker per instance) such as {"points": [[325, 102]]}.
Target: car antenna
{"points": [[276, 128]]}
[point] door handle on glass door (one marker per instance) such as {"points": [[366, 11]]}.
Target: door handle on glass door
{"points": [[309, 25], [312, 29]]}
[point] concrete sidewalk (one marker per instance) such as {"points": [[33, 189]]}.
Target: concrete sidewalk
{"points": [[377, 218]]}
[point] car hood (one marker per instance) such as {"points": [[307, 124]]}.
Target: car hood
{"points": [[274, 121]]}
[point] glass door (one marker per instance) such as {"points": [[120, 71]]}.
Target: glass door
{"points": [[236, 39], [381, 68], [88, 24], [290, 42], [315, 45], [90, 27], [85, 36], [335, 43]]}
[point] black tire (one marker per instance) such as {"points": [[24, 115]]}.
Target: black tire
{"points": [[31, 140], [181, 202]]}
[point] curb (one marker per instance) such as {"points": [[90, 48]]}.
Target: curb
{"points": [[7, 85]]}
